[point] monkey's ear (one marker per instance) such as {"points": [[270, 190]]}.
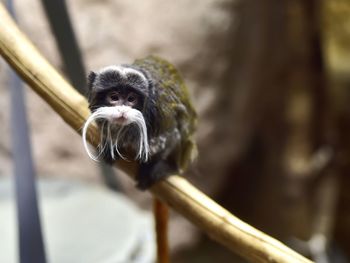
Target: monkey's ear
{"points": [[91, 78], [90, 81]]}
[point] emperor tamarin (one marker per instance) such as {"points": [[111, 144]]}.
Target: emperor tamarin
{"points": [[144, 112]]}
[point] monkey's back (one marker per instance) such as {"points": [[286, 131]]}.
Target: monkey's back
{"points": [[173, 103]]}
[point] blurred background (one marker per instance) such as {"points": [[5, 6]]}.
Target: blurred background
{"points": [[270, 81]]}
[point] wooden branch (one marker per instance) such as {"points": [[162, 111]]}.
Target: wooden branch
{"points": [[218, 223]]}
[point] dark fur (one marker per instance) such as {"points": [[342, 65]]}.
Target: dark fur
{"points": [[99, 86]]}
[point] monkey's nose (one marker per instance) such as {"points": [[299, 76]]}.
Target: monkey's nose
{"points": [[121, 120]]}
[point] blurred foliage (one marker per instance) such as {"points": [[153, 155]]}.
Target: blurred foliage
{"points": [[336, 22]]}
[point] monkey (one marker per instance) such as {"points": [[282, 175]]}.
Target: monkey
{"points": [[144, 112]]}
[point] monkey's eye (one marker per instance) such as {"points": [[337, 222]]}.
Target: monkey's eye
{"points": [[113, 96], [132, 98]]}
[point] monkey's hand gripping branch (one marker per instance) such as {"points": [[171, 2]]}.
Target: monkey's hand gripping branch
{"points": [[178, 193]]}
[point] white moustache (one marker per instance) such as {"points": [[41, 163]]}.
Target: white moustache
{"points": [[121, 116]]}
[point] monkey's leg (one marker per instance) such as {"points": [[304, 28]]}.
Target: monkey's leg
{"points": [[151, 172]]}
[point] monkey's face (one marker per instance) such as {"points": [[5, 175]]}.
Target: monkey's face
{"points": [[123, 102], [121, 87], [117, 97]]}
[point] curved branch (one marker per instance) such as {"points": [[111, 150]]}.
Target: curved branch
{"points": [[217, 222]]}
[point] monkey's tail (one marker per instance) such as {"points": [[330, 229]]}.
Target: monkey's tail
{"points": [[161, 216]]}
